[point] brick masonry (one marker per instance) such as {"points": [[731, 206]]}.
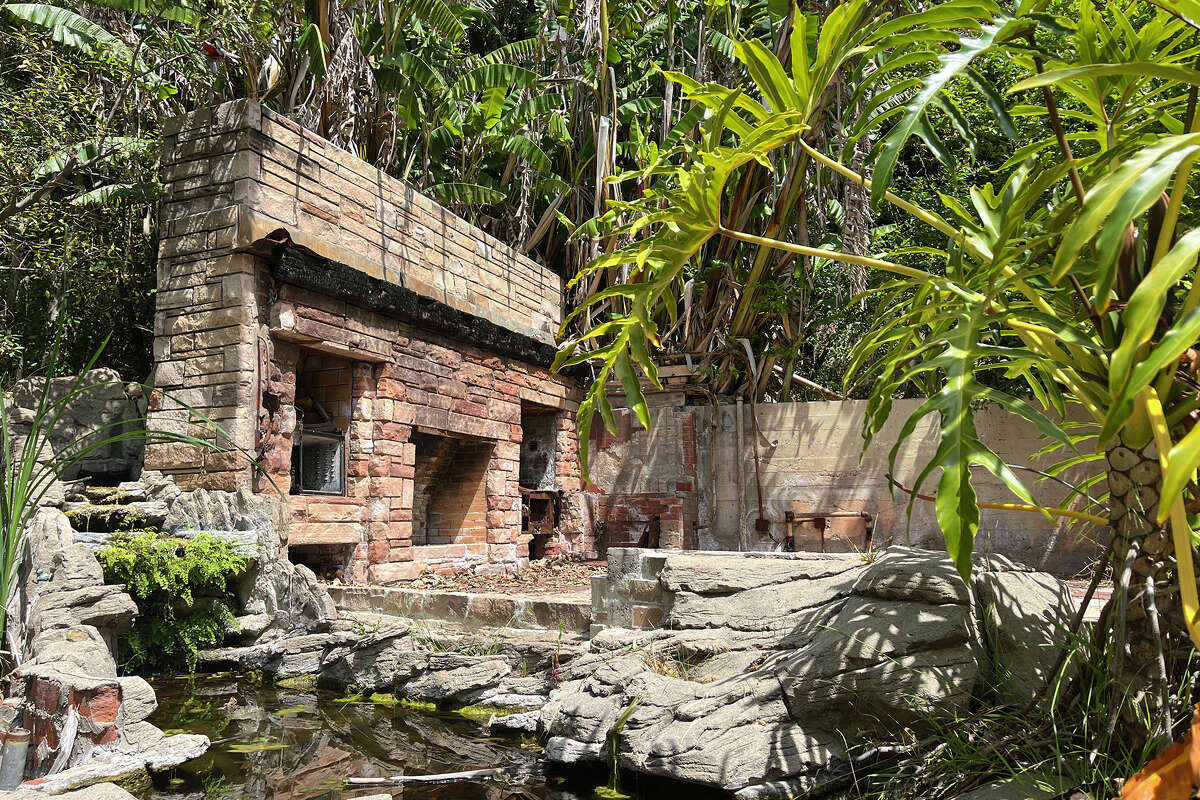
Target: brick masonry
{"points": [[645, 484], [264, 358]]}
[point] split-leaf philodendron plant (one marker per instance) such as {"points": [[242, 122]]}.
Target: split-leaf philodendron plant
{"points": [[1074, 276]]}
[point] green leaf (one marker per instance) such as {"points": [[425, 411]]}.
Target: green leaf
{"points": [[115, 192], [434, 14], [1141, 315], [310, 42], [959, 446], [1138, 177], [995, 103], [1181, 468], [68, 28], [466, 193], [526, 149], [1182, 335], [172, 10], [952, 64], [1129, 69], [769, 76], [633, 388], [493, 76], [88, 149]]}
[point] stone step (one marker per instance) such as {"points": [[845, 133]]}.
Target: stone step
{"points": [[94, 518], [486, 610]]}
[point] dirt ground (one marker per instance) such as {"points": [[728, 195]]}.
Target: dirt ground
{"points": [[546, 576]]}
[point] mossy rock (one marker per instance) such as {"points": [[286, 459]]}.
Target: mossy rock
{"points": [[297, 682], [484, 713]]}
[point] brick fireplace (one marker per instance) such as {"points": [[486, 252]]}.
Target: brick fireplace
{"points": [[384, 363]]}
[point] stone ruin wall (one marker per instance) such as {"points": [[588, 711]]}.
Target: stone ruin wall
{"points": [[811, 460], [232, 341]]}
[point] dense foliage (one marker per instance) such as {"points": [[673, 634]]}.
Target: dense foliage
{"points": [[517, 115], [1063, 289], [182, 590]]}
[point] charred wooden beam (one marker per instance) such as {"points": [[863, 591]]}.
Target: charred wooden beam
{"points": [[301, 267]]}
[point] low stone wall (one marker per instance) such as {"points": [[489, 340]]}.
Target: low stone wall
{"points": [[484, 610], [633, 594], [704, 465]]}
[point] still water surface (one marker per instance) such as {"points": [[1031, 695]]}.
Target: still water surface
{"points": [[273, 743]]}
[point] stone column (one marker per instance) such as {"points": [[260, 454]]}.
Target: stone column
{"points": [[206, 321]]}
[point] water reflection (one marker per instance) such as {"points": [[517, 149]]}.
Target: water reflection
{"points": [[272, 743]]}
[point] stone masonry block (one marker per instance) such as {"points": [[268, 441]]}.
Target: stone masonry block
{"points": [[647, 616], [644, 591]]}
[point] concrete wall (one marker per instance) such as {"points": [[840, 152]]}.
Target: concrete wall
{"points": [[811, 460]]}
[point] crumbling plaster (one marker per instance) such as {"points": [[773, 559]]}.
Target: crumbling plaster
{"points": [[811, 458]]}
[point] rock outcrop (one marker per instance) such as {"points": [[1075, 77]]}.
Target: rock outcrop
{"points": [[86, 723], [768, 668], [509, 669], [88, 418], [279, 599], [63, 585]]}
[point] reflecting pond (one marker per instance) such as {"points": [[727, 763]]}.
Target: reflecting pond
{"points": [[275, 743]]}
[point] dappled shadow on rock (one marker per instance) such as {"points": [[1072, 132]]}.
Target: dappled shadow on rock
{"points": [[765, 681]]}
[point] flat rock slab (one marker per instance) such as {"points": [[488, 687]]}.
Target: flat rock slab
{"points": [[1017, 788], [170, 751], [573, 615], [98, 791], [706, 573]]}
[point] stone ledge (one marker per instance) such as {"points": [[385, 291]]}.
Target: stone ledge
{"points": [[486, 610], [343, 282]]}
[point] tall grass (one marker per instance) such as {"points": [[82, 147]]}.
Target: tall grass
{"points": [[1059, 745]]}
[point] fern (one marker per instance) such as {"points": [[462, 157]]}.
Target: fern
{"points": [[181, 588]]}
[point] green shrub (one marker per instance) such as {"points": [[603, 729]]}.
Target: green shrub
{"points": [[182, 591]]}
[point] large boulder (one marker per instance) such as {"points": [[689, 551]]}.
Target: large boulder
{"points": [[768, 669], [376, 663], [290, 595], [1023, 616], [98, 791], [451, 676]]}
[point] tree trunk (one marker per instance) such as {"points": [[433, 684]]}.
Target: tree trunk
{"points": [[1143, 625]]}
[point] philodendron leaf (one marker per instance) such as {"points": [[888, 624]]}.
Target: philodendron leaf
{"points": [[1129, 69], [953, 64], [311, 43], [1181, 467], [1121, 194], [1138, 322], [959, 446]]}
